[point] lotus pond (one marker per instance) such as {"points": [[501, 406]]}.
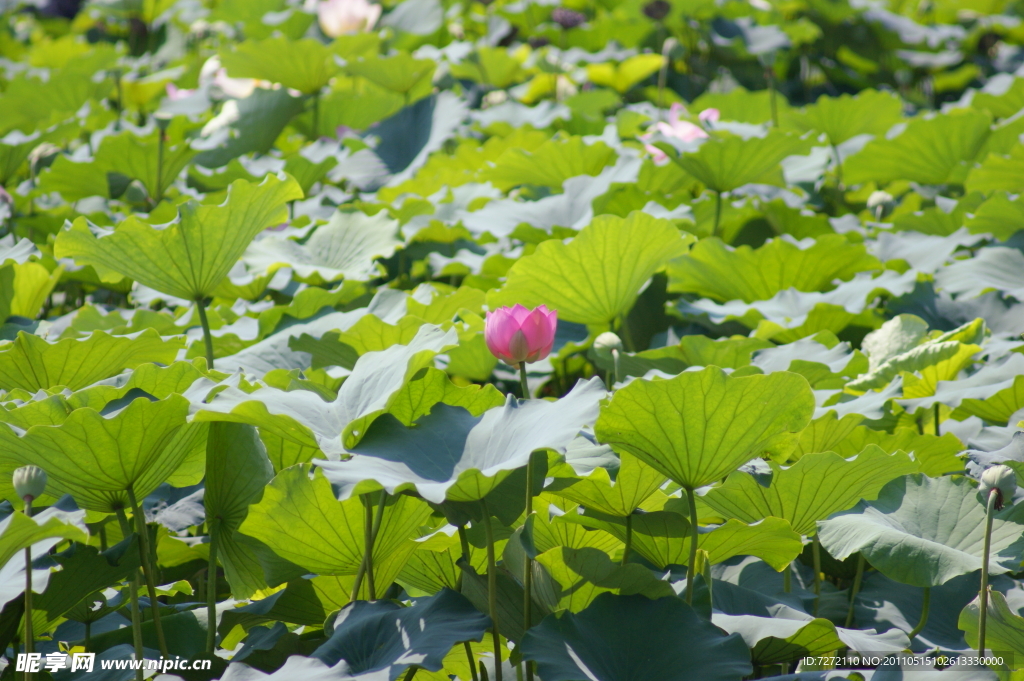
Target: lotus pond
{"points": [[602, 340]]}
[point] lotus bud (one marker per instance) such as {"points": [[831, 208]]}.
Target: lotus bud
{"points": [[567, 18], [29, 482], [878, 198], [606, 344], [1002, 480], [517, 334], [657, 9]]}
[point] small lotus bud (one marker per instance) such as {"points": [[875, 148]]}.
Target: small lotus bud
{"points": [[30, 482], [657, 9], [567, 18], [878, 198], [1002, 480], [606, 343]]}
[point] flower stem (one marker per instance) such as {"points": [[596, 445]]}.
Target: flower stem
{"points": [[525, 386], [147, 571], [816, 554], [925, 607], [372, 527], [691, 569], [629, 540], [854, 589], [983, 595], [839, 167], [937, 431], [211, 590], [464, 542], [29, 633], [492, 589], [207, 336], [718, 213], [133, 586]]}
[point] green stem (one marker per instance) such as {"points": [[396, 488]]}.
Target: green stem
{"points": [[816, 554], [983, 595], [691, 569], [211, 590], [629, 539], [372, 527], [492, 589], [411, 673], [526, 395], [472, 661], [854, 589], [615, 365], [147, 571], [527, 561], [718, 213], [126, 530], [937, 432], [839, 167], [207, 336], [770, 72], [316, 116], [88, 636], [925, 606], [158, 190], [29, 633]]}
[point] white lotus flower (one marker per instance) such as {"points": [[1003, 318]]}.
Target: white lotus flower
{"points": [[338, 17]]}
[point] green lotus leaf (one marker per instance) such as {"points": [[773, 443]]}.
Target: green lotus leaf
{"points": [[95, 456], [1004, 629], [305, 65], [700, 426], [840, 118], [582, 574], [549, 165], [663, 538], [452, 455], [998, 173], [302, 521], [31, 363], [716, 270], [168, 259], [995, 268], [694, 350], [262, 116], [24, 288], [18, 531], [624, 75], [619, 638], [344, 248], [635, 481], [303, 417], [118, 160], [812, 489], [999, 215], [597, 276], [398, 73], [924, 531], [723, 164], [929, 151]]}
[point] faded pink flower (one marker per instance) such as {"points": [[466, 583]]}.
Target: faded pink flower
{"points": [[174, 93], [517, 334], [709, 116], [338, 17], [678, 128]]}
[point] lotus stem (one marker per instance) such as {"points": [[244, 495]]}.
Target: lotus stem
{"points": [[147, 571], [615, 364], [770, 73], [492, 589], [839, 167], [472, 660], [316, 126], [816, 554], [158, 190], [527, 561], [29, 633], [207, 336], [526, 396], [854, 589], [211, 590], [993, 495], [133, 593], [629, 539], [411, 673], [718, 213], [691, 569], [925, 607], [937, 431], [372, 526]]}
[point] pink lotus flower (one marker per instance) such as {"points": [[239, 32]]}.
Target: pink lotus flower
{"points": [[678, 128], [518, 334], [174, 93], [338, 17]]}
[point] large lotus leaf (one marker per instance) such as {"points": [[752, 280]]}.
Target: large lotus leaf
{"points": [[118, 160], [32, 364], [581, 575], [924, 531], [998, 173], [305, 65], [597, 276], [840, 118], [629, 638], [997, 268], [344, 248], [726, 163], [97, 455], [693, 350], [261, 118], [399, 73], [716, 270], [930, 150], [1000, 216], [624, 75], [941, 360], [192, 255], [451, 454], [549, 165], [303, 417], [663, 538], [373, 636], [700, 426], [994, 392], [635, 481], [1004, 629], [18, 531], [812, 489], [302, 521], [24, 288], [231, 448]]}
